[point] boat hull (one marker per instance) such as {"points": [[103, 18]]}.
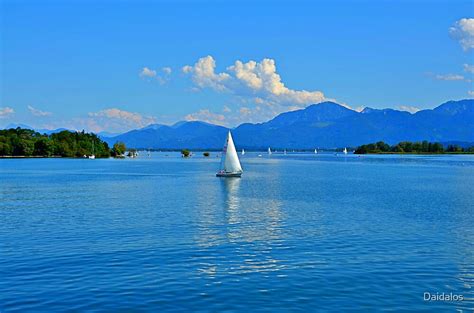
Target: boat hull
{"points": [[223, 174]]}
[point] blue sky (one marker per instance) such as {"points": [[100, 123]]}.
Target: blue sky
{"points": [[118, 65]]}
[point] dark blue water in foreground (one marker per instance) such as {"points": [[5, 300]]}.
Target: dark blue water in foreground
{"points": [[296, 233]]}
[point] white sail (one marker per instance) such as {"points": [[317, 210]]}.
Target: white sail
{"points": [[284, 151], [345, 151], [243, 151], [315, 151], [269, 150], [230, 160]]}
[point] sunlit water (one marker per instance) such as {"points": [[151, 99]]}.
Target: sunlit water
{"points": [[297, 233]]}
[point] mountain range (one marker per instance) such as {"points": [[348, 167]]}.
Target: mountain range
{"points": [[323, 125]]}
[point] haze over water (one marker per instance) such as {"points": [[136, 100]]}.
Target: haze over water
{"points": [[302, 232]]}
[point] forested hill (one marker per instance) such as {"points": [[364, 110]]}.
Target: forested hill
{"points": [[28, 143]]}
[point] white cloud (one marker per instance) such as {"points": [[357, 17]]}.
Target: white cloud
{"points": [[256, 85], [6, 111], [162, 75], [252, 80], [469, 68], [449, 77], [114, 120], [408, 108], [37, 112], [203, 74], [471, 93], [147, 73], [206, 116], [245, 111], [262, 79], [463, 31]]}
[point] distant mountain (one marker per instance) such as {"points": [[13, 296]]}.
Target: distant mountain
{"points": [[192, 135], [330, 125], [39, 130], [324, 125], [15, 125]]}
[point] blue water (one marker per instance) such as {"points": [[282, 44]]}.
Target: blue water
{"points": [[296, 233]]}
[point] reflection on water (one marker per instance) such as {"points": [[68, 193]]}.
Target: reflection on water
{"points": [[250, 231], [258, 220]]}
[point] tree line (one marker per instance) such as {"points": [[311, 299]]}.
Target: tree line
{"points": [[29, 143], [411, 147]]}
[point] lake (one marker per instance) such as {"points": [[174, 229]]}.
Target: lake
{"points": [[298, 232]]}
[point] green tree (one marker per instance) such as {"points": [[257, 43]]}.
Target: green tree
{"points": [[118, 149], [26, 142], [43, 147]]}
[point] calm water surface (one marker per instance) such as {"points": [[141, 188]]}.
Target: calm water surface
{"points": [[296, 233]]}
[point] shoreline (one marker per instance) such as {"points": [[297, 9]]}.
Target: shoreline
{"points": [[414, 153], [41, 157], [330, 152]]}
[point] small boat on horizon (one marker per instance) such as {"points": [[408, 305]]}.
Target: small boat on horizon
{"points": [[269, 151], [230, 164], [345, 150], [92, 156], [315, 151], [243, 152]]}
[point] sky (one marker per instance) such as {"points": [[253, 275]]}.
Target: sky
{"points": [[118, 65]]}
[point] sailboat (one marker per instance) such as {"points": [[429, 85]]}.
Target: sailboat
{"points": [[269, 151], [92, 156], [315, 151], [243, 152], [284, 152], [345, 150], [230, 164]]}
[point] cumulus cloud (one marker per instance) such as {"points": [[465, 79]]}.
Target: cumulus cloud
{"points": [[37, 112], [206, 116], [258, 80], [468, 68], [408, 108], [114, 119], [449, 77], [162, 75], [203, 74], [147, 73], [5, 112], [257, 85], [262, 79], [463, 31]]}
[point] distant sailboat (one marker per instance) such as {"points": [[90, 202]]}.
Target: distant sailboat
{"points": [[92, 156], [284, 152], [315, 151], [345, 151], [230, 164], [243, 152], [269, 151]]}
